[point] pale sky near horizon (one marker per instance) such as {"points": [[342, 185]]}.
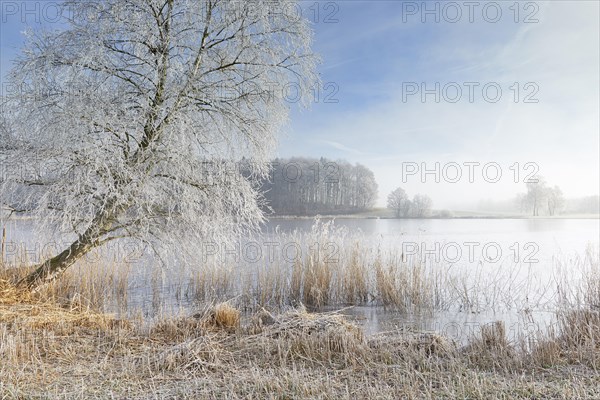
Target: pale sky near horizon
{"points": [[379, 55]]}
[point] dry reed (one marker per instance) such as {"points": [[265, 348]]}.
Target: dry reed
{"points": [[212, 354], [58, 343]]}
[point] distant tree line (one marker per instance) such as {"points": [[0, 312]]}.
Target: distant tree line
{"points": [[544, 199], [309, 186], [541, 199], [583, 205], [403, 207]]}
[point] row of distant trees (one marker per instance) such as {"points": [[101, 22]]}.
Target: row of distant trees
{"points": [[541, 198], [583, 205], [304, 186], [403, 207]]}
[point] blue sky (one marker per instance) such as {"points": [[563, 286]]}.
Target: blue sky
{"points": [[377, 46], [378, 50]]}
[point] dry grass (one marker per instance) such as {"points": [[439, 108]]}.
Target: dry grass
{"points": [[491, 349], [10, 295], [580, 328], [58, 343], [575, 342], [335, 269], [25, 310], [223, 315], [295, 354], [314, 338], [355, 283], [40, 316]]}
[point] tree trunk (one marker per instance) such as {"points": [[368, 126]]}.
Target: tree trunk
{"points": [[51, 269], [3, 245]]}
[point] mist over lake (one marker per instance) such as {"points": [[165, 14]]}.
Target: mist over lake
{"points": [[284, 199], [526, 256]]}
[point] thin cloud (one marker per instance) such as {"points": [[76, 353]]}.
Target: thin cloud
{"points": [[342, 147]]}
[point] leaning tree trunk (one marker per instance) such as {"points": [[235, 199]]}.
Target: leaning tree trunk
{"points": [[52, 268]]}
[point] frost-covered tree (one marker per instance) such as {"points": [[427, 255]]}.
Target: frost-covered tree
{"points": [[398, 202], [366, 187], [537, 193], [129, 121], [556, 200], [421, 205]]}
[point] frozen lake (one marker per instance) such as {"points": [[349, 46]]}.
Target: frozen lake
{"points": [[531, 249]]}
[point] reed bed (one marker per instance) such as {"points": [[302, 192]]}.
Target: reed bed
{"points": [[330, 268], [258, 330], [56, 352], [336, 269]]}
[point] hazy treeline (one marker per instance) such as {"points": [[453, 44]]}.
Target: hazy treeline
{"points": [[583, 205], [545, 199], [542, 199], [304, 186], [403, 207]]}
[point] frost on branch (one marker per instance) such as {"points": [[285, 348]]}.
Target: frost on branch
{"points": [[133, 119]]}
